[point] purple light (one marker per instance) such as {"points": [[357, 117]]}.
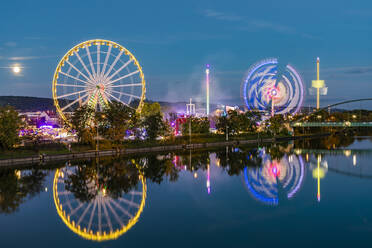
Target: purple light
{"points": [[46, 126], [208, 66]]}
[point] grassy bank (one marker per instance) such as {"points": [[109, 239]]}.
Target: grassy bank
{"points": [[60, 148]]}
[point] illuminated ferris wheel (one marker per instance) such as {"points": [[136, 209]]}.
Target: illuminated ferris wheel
{"points": [[99, 217], [272, 88], [94, 73]]}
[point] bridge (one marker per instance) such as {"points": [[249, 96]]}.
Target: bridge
{"points": [[332, 124], [301, 123]]}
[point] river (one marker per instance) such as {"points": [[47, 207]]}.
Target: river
{"points": [[307, 193]]}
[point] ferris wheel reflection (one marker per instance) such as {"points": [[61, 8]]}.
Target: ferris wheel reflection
{"points": [[96, 205]]}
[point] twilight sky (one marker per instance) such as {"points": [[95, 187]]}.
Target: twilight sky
{"points": [[173, 40]]}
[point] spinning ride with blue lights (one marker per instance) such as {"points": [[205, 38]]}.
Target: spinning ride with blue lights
{"points": [[265, 182], [266, 88]]}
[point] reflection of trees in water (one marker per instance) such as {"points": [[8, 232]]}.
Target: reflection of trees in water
{"points": [[195, 160], [234, 160], [16, 186], [329, 142], [156, 167], [116, 176]]}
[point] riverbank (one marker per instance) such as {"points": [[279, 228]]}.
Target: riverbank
{"points": [[43, 158]]}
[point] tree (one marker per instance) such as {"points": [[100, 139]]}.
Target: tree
{"points": [[152, 120], [198, 126], [150, 109], [277, 125], [80, 122], [10, 124], [236, 122], [116, 120], [154, 126]]}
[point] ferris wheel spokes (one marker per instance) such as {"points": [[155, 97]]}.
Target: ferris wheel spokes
{"points": [[125, 85], [116, 72], [73, 93], [117, 99], [123, 77], [98, 59], [113, 64], [106, 60], [84, 66], [78, 79], [80, 73], [90, 61]]}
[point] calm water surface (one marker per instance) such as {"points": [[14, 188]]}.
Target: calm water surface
{"points": [[312, 193]]}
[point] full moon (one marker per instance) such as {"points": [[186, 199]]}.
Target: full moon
{"points": [[16, 69]]}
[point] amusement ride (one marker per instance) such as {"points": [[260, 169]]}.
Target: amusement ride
{"points": [[94, 73], [272, 89]]}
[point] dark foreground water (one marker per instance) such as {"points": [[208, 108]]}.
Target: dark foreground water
{"points": [[309, 194]]}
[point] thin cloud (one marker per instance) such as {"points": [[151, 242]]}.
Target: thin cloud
{"points": [[222, 16], [10, 44], [32, 38], [351, 70], [253, 24], [358, 70], [25, 58], [360, 12], [159, 39]]}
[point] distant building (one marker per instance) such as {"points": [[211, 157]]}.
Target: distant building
{"points": [[41, 118]]}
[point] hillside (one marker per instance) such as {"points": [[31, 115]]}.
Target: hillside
{"points": [[26, 103]]}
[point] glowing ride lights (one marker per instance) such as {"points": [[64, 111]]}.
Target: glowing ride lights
{"points": [[319, 85], [101, 218], [273, 94], [319, 172], [94, 73], [208, 179], [263, 183], [207, 86], [266, 87]]}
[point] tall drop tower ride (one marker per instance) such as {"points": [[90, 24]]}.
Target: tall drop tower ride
{"points": [[207, 87]]}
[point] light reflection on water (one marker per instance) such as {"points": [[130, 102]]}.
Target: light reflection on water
{"points": [[128, 200]]}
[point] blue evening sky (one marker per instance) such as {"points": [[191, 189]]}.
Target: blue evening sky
{"points": [[173, 40]]}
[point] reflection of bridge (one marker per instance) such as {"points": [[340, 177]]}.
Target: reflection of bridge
{"points": [[346, 152], [332, 124], [363, 170]]}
